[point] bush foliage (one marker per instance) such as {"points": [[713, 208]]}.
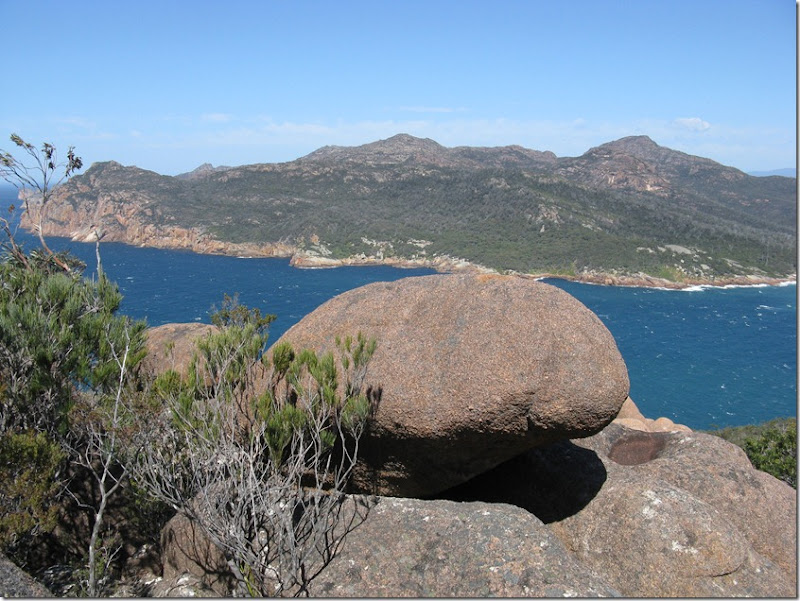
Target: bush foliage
{"points": [[771, 447]]}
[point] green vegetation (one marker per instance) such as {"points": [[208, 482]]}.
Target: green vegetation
{"points": [[78, 420], [771, 447], [527, 217], [93, 449], [60, 343], [262, 473]]}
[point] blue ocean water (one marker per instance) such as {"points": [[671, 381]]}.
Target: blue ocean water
{"points": [[704, 358]]}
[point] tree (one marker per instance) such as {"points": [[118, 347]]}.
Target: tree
{"points": [[57, 334], [37, 179], [66, 360], [98, 439], [257, 451]]}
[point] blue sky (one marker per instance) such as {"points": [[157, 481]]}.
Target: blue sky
{"points": [[167, 85]]}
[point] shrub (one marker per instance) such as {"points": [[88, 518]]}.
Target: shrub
{"points": [[258, 451], [29, 462], [771, 446], [775, 451], [58, 332]]}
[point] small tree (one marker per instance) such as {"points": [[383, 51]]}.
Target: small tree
{"points": [[100, 435], [36, 178], [257, 452], [57, 332], [65, 361]]}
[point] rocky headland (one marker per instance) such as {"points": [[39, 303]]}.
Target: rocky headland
{"points": [[128, 228]]}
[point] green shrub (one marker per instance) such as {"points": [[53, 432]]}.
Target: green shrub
{"points": [[257, 448], [775, 451], [28, 486], [771, 446], [58, 335]]}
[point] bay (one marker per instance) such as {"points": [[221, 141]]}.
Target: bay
{"points": [[710, 357]]}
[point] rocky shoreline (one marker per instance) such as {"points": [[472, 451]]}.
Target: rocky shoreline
{"points": [[646, 281], [447, 264], [177, 238]]}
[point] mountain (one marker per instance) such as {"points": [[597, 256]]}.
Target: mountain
{"points": [[202, 171], [787, 172], [626, 207]]}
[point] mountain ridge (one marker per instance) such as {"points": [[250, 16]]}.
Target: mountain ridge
{"points": [[620, 208]]}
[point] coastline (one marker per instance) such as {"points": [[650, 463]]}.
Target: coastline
{"points": [[193, 241], [447, 264]]}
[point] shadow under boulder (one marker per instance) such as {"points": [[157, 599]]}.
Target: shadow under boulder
{"points": [[551, 482]]}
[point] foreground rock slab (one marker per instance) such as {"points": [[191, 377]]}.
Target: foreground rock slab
{"points": [[470, 370], [624, 512], [754, 510], [414, 548]]}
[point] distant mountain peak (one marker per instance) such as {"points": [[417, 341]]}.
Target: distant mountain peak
{"points": [[630, 144], [406, 140], [202, 171]]}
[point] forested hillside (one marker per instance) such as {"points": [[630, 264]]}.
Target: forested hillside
{"points": [[626, 207]]}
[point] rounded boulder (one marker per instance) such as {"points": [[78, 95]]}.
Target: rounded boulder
{"points": [[469, 371]]}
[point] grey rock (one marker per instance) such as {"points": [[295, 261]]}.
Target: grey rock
{"points": [[15, 582], [416, 548]]}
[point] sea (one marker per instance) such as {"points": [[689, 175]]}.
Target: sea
{"points": [[705, 357]]}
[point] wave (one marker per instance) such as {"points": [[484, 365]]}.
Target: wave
{"points": [[703, 287]]}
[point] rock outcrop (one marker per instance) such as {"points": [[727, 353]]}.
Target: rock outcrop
{"points": [[758, 507], [15, 582], [516, 393], [630, 416], [677, 513], [470, 371], [414, 548], [622, 513]]}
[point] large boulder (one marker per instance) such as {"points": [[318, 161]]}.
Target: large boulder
{"points": [[172, 345], [657, 513], [470, 370]]}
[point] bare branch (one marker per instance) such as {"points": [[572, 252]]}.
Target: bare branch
{"points": [[37, 180], [262, 475]]}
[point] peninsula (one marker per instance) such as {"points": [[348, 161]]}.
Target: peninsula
{"points": [[629, 212]]}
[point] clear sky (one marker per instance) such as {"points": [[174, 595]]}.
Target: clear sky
{"points": [[169, 84]]}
